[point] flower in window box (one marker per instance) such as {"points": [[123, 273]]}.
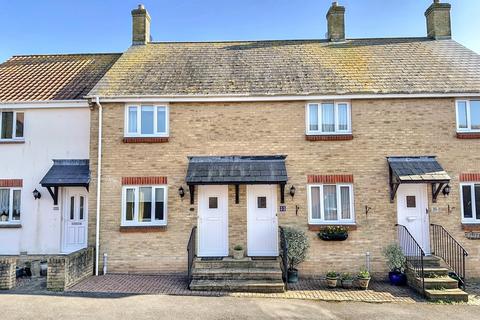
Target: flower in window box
{"points": [[333, 233]]}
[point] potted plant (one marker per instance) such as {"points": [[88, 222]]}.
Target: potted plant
{"points": [[297, 251], [332, 278], [396, 264], [347, 281], [333, 233], [363, 279], [238, 252]]}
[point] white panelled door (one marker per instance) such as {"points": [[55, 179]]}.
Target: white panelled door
{"points": [[412, 212], [213, 221], [75, 222], [262, 222]]}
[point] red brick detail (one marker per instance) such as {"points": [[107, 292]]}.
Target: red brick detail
{"points": [[318, 227], [11, 183], [330, 178], [470, 227], [463, 135], [142, 229], [333, 137], [466, 177], [143, 180], [145, 139]]}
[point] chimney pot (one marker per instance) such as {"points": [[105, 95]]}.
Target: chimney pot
{"points": [[336, 23], [438, 20], [140, 26]]}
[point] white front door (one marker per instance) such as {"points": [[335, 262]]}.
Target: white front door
{"points": [[262, 223], [75, 219], [412, 211], [213, 221]]}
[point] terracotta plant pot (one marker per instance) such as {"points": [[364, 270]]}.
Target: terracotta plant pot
{"points": [[363, 283], [347, 284], [332, 282], [238, 254]]}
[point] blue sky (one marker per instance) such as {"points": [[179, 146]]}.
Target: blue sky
{"points": [[60, 26]]}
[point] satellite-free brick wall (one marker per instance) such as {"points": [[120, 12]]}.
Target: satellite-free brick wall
{"points": [[381, 128]]}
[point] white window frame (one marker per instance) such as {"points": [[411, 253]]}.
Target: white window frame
{"points": [[10, 206], [469, 119], [136, 206], [337, 130], [139, 120], [339, 221], [14, 126], [473, 219]]}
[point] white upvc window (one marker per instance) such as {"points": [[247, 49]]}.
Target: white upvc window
{"points": [[144, 205], [11, 125], [324, 118], [10, 205], [330, 204], [146, 121], [468, 115], [470, 202]]}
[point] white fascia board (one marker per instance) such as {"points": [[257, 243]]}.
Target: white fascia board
{"points": [[47, 104], [240, 98]]}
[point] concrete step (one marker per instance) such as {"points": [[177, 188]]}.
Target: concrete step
{"points": [[447, 295], [237, 274], [437, 283], [246, 263], [428, 262], [266, 286], [435, 272]]}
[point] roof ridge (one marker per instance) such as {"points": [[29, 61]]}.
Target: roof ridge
{"points": [[66, 54]]}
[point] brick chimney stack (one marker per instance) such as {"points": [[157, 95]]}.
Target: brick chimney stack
{"points": [[336, 23], [438, 21], [140, 26]]}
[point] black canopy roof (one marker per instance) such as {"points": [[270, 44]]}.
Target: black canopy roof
{"points": [[64, 173], [421, 169]]}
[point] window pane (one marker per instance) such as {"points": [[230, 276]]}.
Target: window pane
{"points": [[462, 114], [467, 201], [330, 202], [159, 203], [145, 204], [130, 205], [147, 120], [132, 119], [345, 198], [7, 125], [262, 202], [81, 209], [161, 120], [343, 117], [20, 121], [411, 202], [313, 116], [4, 204], [315, 203], [328, 117], [72, 208], [477, 201], [16, 205], [212, 203], [475, 114]]}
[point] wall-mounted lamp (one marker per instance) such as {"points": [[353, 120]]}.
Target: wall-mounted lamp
{"points": [[36, 194], [446, 190], [292, 191], [181, 192]]}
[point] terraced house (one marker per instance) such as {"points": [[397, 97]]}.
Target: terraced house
{"points": [[209, 145]]}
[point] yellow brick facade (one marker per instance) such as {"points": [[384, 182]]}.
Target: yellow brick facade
{"points": [[381, 128]]}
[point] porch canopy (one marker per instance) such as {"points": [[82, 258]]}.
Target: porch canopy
{"points": [[419, 169], [66, 173], [236, 170]]}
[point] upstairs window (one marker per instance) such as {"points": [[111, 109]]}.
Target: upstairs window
{"points": [[331, 204], [328, 118], [11, 125], [468, 115], [10, 209], [470, 201], [144, 205], [146, 121]]}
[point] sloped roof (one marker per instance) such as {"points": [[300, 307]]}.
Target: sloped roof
{"points": [[67, 172], [294, 67], [52, 77], [417, 169]]}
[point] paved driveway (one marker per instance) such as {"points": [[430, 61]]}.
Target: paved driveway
{"points": [[177, 307]]}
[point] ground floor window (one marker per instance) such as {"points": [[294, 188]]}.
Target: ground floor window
{"points": [[10, 205], [144, 205], [470, 201], [330, 204]]}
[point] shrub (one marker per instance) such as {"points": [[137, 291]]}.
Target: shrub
{"points": [[298, 245], [395, 258]]}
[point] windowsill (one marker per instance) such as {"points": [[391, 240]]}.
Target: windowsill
{"points": [[12, 141], [142, 229], [470, 226], [145, 139], [10, 225], [468, 135], [328, 137], [318, 227]]}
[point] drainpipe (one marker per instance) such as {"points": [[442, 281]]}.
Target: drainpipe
{"points": [[99, 175]]}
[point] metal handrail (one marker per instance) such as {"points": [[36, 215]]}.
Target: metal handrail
{"points": [[191, 252], [284, 256], [445, 246], [413, 252]]}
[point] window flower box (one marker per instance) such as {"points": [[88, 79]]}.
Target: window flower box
{"points": [[333, 233]]}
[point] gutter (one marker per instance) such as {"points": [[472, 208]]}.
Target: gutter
{"points": [[99, 181]]}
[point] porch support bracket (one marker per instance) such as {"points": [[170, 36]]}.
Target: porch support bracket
{"points": [[191, 188], [237, 194], [282, 193], [393, 185], [436, 187], [54, 194]]}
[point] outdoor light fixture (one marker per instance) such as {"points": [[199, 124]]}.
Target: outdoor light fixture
{"points": [[292, 191], [181, 192], [446, 190], [36, 194]]}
